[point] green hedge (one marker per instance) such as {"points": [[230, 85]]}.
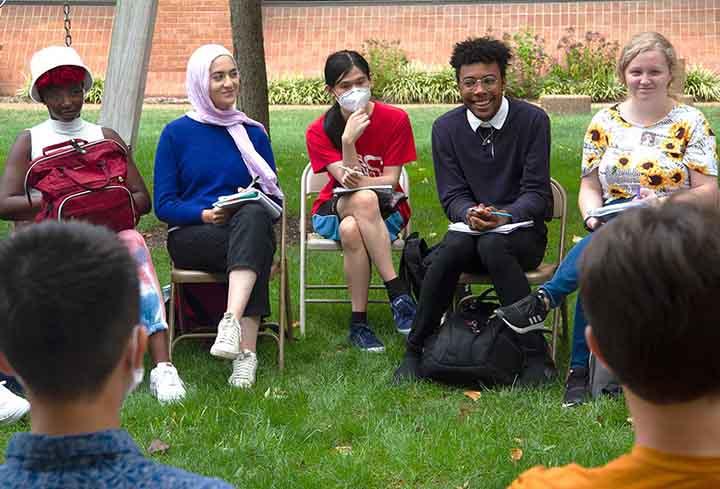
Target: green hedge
{"points": [[583, 66]]}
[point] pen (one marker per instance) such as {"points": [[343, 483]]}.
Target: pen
{"points": [[351, 170], [250, 185], [501, 214]]}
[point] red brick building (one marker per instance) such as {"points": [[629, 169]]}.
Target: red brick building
{"points": [[300, 34]]}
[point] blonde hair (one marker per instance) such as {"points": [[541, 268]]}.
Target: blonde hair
{"points": [[641, 43]]}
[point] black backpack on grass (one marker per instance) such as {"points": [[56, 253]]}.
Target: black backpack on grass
{"points": [[414, 263], [469, 350]]}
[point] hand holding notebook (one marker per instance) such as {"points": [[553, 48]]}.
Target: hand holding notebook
{"points": [[249, 194]]}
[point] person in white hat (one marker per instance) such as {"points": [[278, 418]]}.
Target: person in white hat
{"points": [[60, 81]]}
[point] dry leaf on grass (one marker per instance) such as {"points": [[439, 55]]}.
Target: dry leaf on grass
{"points": [[516, 454], [275, 393], [296, 324], [465, 410], [344, 449], [576, 239], [466, 485], [158, 447], [474, 395]]}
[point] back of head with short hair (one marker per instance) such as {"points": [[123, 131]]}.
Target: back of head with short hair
{"points": [[484, 50], [68, 303], [650, 283]]}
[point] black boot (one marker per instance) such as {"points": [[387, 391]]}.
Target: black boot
{"points": [[409, 369]]}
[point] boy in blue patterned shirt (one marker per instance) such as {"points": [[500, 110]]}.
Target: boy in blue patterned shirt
{"points": [[69, 333]]}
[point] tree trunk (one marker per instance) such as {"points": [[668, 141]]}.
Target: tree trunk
{"points": [[249, 49]]}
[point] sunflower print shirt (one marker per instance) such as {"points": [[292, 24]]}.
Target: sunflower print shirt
{"points": [[659, 157]]}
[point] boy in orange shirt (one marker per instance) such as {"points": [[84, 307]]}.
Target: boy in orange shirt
{"points": [[660, 269]]}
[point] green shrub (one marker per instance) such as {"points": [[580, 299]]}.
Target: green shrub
{"points": [[386, 59], [703, 84], [95, 94], [297, 91], [525, 72], [415, 85], [585, 67]]}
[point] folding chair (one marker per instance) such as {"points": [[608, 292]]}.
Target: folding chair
{"points": [[277, 331], [311, 184], [545, 271]]}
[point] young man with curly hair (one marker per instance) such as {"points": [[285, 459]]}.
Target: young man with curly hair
{"points": [[492, 167], [650, 281]]}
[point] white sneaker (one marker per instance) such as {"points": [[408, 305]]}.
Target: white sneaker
{"points": [[12, 407], [227, 341], [244, 368], [165, 383]]}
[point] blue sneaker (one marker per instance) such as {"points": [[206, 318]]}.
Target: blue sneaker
{"points": [[403, 309], [363, 337]]}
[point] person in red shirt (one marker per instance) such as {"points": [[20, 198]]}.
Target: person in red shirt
{"points": [[362, 143]]}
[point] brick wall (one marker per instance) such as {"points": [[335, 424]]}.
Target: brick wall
{"points": [[297, 39]]}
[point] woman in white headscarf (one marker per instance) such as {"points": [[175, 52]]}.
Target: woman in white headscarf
{"points": [[209, 152]]}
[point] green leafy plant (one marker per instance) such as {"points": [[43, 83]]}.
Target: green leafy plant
{"points": [[297, 91], [703, 84], [530, 61], [95, 94], [386, 59], [585, 67], [415, 85]]}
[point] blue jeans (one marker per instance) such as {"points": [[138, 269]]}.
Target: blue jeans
{"points": [[563, 283]]}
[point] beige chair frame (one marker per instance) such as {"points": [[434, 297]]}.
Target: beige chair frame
{"points": [[311, 184], [179, 277], [545, 271]]}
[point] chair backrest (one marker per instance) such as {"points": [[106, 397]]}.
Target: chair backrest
{"points": [[559, 212], [312, 183], [559, 199]]}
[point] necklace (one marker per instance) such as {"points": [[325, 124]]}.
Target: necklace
{"points": [[485, 140]]}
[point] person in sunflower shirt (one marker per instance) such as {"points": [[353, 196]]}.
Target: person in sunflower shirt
{"points": [[645, 148]]}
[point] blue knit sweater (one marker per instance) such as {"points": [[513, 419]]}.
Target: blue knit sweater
{"points": [[195, 163]]}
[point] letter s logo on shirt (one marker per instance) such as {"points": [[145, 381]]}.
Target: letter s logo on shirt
{"points": [[372, 165]]}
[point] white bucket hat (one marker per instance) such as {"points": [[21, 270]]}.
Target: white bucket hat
{"points": [[51, 57]]}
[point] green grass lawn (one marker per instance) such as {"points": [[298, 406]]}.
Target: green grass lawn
{"points": [[332, 419]]}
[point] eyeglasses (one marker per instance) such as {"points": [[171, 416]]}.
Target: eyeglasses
{"points": [[487, 82]]}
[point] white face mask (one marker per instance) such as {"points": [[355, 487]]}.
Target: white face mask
{"points": [[354, 99], [138, 373]]}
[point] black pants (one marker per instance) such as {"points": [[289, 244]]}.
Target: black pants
{"points": [[505, 257], [246, 241]]}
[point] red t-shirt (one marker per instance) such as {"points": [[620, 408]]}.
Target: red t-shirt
{"points": [[387, 141]]}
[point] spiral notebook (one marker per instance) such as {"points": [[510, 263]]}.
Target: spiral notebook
{"points": [[377, 188], [461, 227], [250, 195]]}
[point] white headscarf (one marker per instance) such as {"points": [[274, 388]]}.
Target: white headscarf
{"points": [[198, 90]]}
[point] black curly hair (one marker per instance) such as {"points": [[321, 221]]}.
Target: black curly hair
{"points": [[480, 50]]}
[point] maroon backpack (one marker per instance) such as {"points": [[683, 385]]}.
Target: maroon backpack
{"points": [[86, 181]]}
